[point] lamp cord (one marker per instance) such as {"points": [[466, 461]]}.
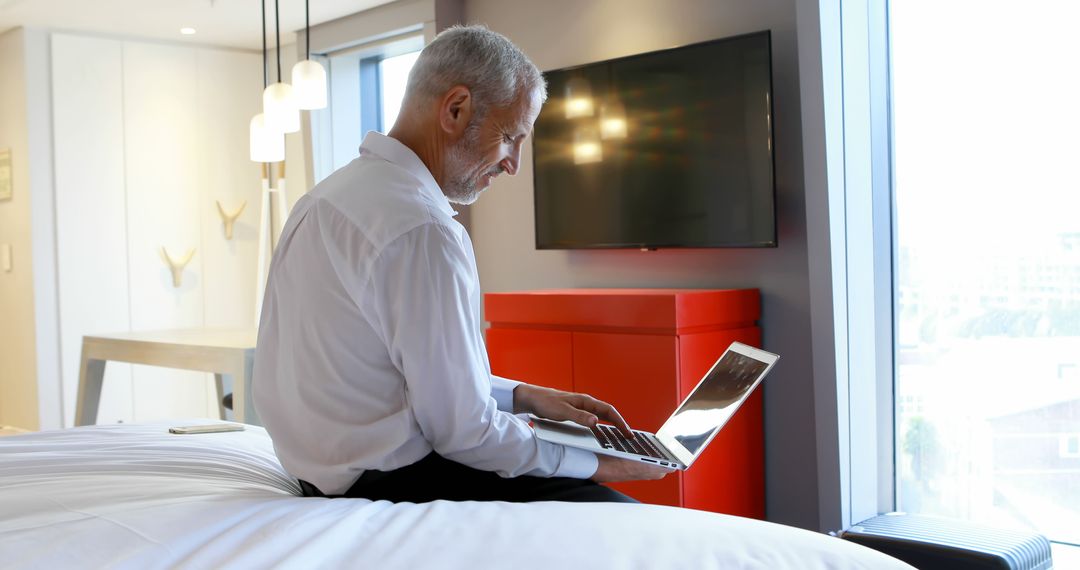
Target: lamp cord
{"points": [[266, 72], [277, 34], [307, 31]]}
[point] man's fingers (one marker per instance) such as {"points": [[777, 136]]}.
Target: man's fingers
{"points": [[608, 413], [612, 469], [586, 419]]}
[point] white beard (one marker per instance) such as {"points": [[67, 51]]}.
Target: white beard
{"points": [[461, 161]]}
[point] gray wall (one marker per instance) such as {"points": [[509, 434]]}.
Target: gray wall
{"points": [[560, 33]]}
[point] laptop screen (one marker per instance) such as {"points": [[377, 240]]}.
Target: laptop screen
{"points": [[714, 401]]}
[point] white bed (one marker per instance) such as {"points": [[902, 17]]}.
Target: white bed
{"points": [[134, 496]]}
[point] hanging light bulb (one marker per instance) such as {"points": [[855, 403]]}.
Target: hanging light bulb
{"points": [[279, 104], [308, 76], [267, 145], [612, 120], [579, 102], [309, 84], [587, 147]]}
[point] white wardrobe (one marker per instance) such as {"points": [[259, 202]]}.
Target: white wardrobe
{"points": [[147, 138]]}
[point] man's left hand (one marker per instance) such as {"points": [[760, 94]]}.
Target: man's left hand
{"points": [[558, 405]]}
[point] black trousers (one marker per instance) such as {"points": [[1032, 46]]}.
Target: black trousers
{"points": [[434, 477]]}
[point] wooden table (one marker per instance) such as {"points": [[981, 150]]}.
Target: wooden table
{"points": [[223, 352]]}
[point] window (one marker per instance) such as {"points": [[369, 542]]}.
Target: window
{"points": [[987, 263], [367, 84], [394, 74]]}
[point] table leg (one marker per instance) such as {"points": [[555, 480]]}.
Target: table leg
{"points": [[239, 397], [243, 406], [219, 383], [91, 375]]}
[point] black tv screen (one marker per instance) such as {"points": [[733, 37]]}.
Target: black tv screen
{"points": [[669, 149]]}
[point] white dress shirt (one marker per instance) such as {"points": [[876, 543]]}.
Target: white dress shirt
{"points": [[370, 352]]}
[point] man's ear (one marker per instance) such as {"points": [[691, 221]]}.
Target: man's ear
{"points": [[455, 111]]}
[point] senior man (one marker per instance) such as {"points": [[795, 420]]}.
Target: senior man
{"points": [[370, 369]]}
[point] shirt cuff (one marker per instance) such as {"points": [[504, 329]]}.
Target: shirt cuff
{"points": [[502, 389], [578, 464]]}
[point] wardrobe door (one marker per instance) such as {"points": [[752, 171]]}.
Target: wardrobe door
{"points": [[162, 133], [230, 94], [91, 228]]}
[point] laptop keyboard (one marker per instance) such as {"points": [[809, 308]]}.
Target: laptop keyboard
{"points": [[612, 438]]}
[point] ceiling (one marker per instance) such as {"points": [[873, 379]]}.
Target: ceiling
{"points": [[231, 23]]}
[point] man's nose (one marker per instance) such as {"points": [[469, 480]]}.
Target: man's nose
{"points": [[510, 163]]}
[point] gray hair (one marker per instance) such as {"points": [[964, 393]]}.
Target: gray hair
{"points": [[495, 71]]}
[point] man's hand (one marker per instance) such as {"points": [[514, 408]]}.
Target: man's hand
{"points": [[614, 469], [586, 410], [558, 405]]}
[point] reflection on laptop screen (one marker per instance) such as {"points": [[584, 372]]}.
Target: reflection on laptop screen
{"points": [[710, 406]]}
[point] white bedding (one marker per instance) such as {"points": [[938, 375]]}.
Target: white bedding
{"points": [[134, 496]]}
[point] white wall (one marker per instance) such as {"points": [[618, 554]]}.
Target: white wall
{"points": [[561, 33], [43, 228]]}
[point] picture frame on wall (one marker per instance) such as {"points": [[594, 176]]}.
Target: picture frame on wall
{"points": [[5, 174]]}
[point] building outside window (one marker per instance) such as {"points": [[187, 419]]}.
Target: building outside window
{"points": [[987, 258]]}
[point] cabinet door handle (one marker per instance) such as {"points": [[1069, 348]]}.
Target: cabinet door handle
{"points": [[176, 265], [229, 219]]}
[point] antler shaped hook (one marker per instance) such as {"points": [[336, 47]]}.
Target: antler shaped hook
{"points": [[176, 265], [228, 218]]}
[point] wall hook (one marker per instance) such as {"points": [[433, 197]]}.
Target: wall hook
{"points": [[176, 265], [229, 219]]}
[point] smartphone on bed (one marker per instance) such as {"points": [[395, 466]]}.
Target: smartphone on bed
{"points": [[208, 428]]}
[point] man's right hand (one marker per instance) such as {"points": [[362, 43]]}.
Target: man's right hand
{"points": [[614, 469]]}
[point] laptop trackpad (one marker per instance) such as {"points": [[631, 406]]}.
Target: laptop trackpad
{"points": [[566, 433]]}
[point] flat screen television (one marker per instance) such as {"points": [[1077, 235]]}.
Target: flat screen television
{"points": [[668, 149]]}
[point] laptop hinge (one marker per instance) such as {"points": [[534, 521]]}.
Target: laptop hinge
{"points": [[667, 452]]}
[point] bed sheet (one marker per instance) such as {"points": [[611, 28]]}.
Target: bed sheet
{"points": [[135, 496]]}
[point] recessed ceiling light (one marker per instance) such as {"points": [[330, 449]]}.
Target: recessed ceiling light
{"points": [[187, 31]]}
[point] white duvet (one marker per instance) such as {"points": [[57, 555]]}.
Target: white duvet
{"points": [[135, 496]]}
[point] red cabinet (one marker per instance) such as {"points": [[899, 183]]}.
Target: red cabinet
{"points": [[642, 350]]}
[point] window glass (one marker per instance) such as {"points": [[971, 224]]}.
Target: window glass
{"points": [[394, 73], [988, 261]]}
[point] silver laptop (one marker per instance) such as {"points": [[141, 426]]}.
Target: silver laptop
{"points": [[688, 431]]}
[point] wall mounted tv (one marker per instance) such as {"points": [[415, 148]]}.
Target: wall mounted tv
{"points": [[669, 149]]}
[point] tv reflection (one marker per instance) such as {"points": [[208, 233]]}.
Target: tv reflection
{"points": [[715, 400]]}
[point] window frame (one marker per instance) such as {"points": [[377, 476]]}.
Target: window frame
{"points": [[857, 474]]}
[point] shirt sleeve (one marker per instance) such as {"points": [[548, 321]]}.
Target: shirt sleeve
{"points": [[423, 298], [502, 389]]}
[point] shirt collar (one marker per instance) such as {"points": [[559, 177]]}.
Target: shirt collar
{"points": [[392, 151]]}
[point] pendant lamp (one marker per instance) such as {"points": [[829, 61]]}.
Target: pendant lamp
{"points": [[612, 120], [266, 145], [612, 111], [579, 102], [587, 146], [308, 77], [279, 103]]}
